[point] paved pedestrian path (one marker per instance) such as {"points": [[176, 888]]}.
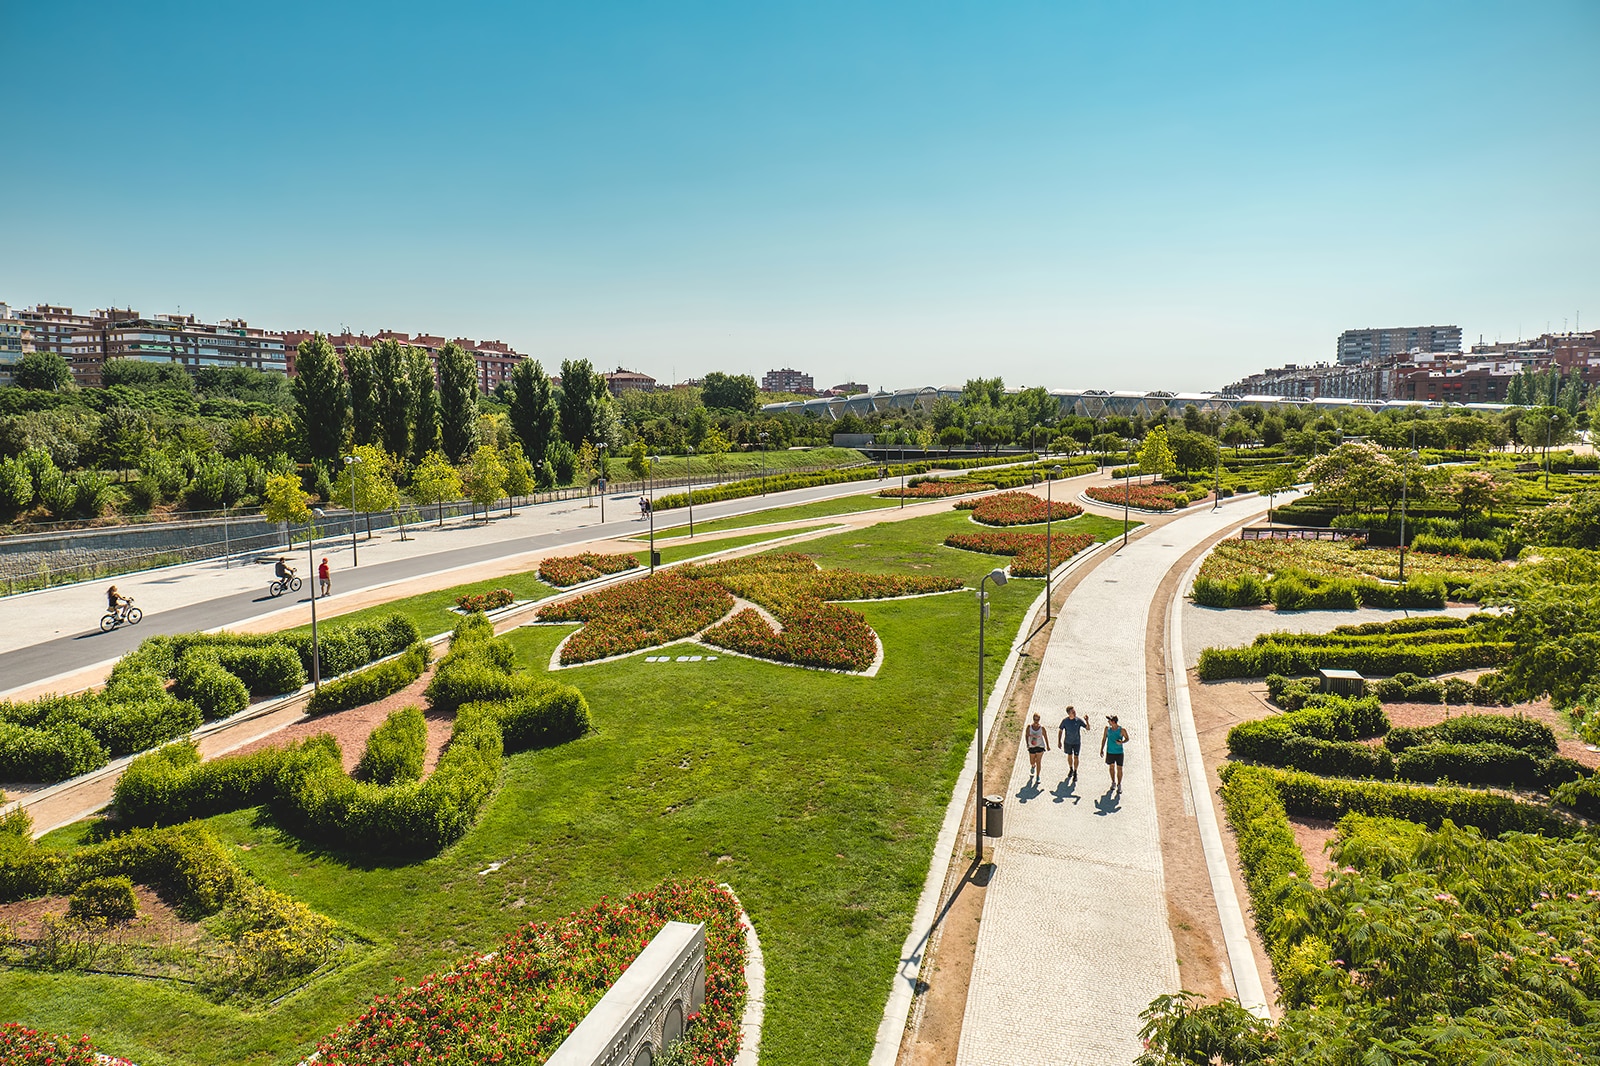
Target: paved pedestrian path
{"points": [[1074, 941]]}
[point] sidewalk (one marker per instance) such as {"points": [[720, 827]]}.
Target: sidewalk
{"points": [[1074, 941]]}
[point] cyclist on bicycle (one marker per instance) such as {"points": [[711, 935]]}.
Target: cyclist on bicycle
{"points": [[284, 570], [116, 602]]}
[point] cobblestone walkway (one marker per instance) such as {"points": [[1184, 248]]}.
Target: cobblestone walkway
{"points": [[1074, 941]]}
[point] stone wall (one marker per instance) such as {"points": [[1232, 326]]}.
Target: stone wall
{"points": [[644, 1013]]}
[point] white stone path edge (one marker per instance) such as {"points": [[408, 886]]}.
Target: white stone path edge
{"points": [[1235, 935], [891, 1030]]}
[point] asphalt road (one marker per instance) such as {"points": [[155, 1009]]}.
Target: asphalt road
{"points": [[68, 654]]}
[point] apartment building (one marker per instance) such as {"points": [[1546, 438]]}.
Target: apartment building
{"points": [[16, 341], [181, 339], [53, 327], [620, 381], [788, 380], [1377, 345]]}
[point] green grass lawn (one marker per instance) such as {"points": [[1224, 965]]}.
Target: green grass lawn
{"points": [[1099, 527], [672, 553], [816, 795], [799, 512]]}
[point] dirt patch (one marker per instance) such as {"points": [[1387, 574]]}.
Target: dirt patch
{"points": [[1313, 835], [157, 922], [351, 728]]}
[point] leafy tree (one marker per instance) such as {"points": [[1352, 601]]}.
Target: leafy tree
{"points": [[533, 408], [285, 501], [458, 401], [638, 460], [1277, 479], [950, 436], [588, 461], [519, 473], [485, 478], [1476, 491], [46, 371], [584, 402], [715, 448], [424, 403], [435, 481], [360, 373], [978, 392], [322, 399], [1363, 475], [1546, 427], [16, 486], [1104, 444], [367, 484], [1155, 453], [392, 393], [563, 461], [729, 392], [1193, 451], [124, 436]]}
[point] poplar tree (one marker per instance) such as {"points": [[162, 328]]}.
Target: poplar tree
{"points": [[358, 371], [392, 392], [533, 409], [458, 401], [322, 399], [424, 403], [584, 399]]}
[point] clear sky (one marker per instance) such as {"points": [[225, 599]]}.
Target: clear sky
{"points": [[1091, 195]]}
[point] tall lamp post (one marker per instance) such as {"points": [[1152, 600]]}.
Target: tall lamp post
{"points": [[1124, 508], [602, 479], [349, 461], [688, 466], [902, 475], [651, 511], [1405, 483], [998, 576], [1216, 491], [311, 577], [1049, 515]]}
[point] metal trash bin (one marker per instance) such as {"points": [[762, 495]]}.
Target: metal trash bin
{"points": [[994, 816], [655, 559]]}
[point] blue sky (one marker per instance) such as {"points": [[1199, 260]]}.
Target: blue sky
{"points": [[1112, 195]]}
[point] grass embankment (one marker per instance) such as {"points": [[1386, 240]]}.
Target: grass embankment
{"points": [[816, 795], [844, 505]]}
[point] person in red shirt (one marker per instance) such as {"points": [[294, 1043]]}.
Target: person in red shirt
{"points": [[323, 576]]}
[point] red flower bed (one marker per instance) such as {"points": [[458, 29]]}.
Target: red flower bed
{"points": [[934, 490], [519, 1005], [1017, 509], [1027, 549], [815, 632], [563, 571], [21, 1046], [1144, 497], [485, 601], [658, 609]]}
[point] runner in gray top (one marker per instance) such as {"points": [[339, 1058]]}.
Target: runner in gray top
{"points": [[1070, 735]]}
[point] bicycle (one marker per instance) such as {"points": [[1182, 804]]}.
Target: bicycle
{"points": [[280, 585], [129, 614]]}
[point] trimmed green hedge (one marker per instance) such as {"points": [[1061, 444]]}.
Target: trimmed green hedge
{"points": [[373, 682], [396, 750], [1582, 795], [1512, 731], [1320, 738], [56, 737], [757, 486], [200, 678], [1333, 798], [1269, 855], [1220, 664]]}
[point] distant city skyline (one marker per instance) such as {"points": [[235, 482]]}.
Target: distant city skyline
{"points": [[1128, 196]]}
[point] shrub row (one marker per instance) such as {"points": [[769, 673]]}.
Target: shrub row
{"points": [[1512, 731], [1259, 660], [372, 683], [1471, 547], [1017, 509], [1269, 855], [1246, 590], [736, 490], [1321, 737], [396, 751], [563, 571], [1332, 798], [1582, 795], [57, 737], [532, 711], [1485, 763], [1409, 688]]}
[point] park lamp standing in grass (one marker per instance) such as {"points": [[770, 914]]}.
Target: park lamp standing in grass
{"points": [[998, 576], [355, 559], [651, 511], [688, 466], [1049, 514], [1405, 479]]}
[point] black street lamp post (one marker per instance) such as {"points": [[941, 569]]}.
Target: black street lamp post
{"points": [[1049, 516], [998, 576]]}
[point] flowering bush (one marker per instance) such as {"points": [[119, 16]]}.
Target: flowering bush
{"points": [[934, 490], [1017, 509], [563, 571], [1144, 497], [1027, 549], [813, 634], [485, 601], [658, 609], [21, 1046], [521, 1003]]}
